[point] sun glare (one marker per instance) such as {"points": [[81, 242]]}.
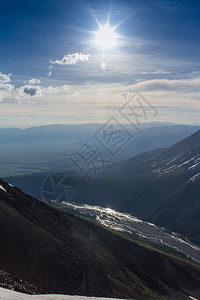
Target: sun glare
{"points": [[106, 37]]}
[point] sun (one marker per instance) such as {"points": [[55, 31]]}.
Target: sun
{"points": [[106, 37]]}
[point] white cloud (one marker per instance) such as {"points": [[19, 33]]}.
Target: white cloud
{"points": [[4, 78], [50, 71], [34, 81], [71, 59], [5, 85], [76, 94]]}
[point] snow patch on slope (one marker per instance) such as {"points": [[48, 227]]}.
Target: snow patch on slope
{"points": [[2, 188], [193, 298], [194, 177], [11, 295], [178, 162]]}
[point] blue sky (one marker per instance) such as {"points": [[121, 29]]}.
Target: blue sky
{"points": [[51, 71]]}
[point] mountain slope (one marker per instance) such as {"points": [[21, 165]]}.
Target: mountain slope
{"points": [[183, 154], [165, 185], [57, 252]]}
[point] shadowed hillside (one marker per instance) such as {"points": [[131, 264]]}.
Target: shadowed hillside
{"points": [[58, 252]]}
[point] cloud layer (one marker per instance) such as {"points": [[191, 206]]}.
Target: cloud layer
{"points": [[177, 100]]}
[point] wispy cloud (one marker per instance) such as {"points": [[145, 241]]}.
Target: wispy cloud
{"points": [[157, 72], [191, 85]]}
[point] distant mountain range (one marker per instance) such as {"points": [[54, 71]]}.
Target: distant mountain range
{"points": [[77, 132], [47, 148], [47, 250]]}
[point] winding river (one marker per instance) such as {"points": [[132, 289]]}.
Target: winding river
{"points": [[127, 223]]}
